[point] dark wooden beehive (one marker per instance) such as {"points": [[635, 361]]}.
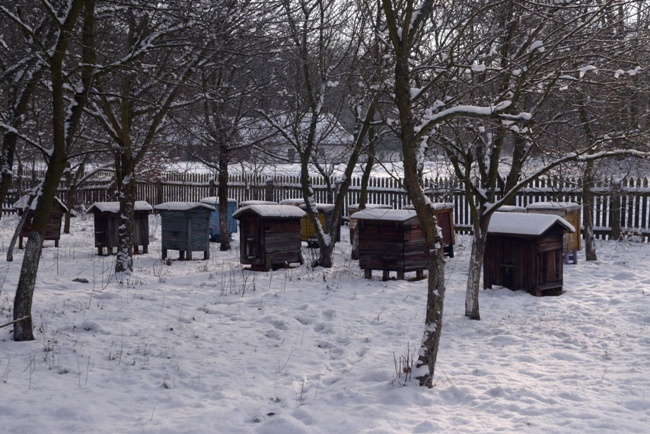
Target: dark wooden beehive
{"points": [[524, 251], [391, 240], [53, 227], [107, 222], [185, 227], [270, 236]]}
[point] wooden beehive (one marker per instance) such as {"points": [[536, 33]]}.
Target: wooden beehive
{"points": [[215, 217], [444, 213], [269, 236], [354, 207], [185, 227], [524, 251], [391, 240], [53, 227], [570, 212], [107, 222]]}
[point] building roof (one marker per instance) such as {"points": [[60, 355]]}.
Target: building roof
{"points": [[394, 215], [114, 207], [525, 224]]}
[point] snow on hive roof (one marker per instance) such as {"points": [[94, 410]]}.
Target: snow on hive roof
{"points": [[114, 207], [214, 200], [324, 207], [553, 205], [22, 203], [296, 201], [525, 224], [279, 211], [182, 206], [512, 208], [256, 202], [396, 215]]}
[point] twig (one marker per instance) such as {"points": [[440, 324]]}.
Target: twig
{"points": [[15, 321]]}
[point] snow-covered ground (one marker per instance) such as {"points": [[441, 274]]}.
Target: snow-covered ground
{"points": [[204, 346]]}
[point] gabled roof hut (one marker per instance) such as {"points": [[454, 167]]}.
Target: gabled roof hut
{"points": [[269, 236], [107, 223], [391, 240], [524, 251], [53, 227], [185, 227]]}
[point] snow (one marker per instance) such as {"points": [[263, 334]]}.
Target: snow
{"points": [[114, 207], [559, 206], [204, 346], [515, 223], [396, 215], [24, 200], [268, 210]]}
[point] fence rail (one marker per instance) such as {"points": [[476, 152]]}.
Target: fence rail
{"points": [[623, 206]]}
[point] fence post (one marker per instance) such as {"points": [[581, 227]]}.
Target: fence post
{"points": [[212, 186], [268, 190], [615, 210], [159, 192]]}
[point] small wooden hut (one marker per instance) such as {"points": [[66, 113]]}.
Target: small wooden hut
{"points": [[524, 251], [185, 227], [269, 236], [570, 212], [444, 213], [215, 217], [53, 227], [107, 222], [391, 240]]}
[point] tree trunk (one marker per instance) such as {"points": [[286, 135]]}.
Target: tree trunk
{"points": [[127, 192], [23, 330], [433, 319], [222, 190], [587, 212], [475, 267]]}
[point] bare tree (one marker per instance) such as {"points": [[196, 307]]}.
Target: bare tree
{"points": [[147, 56], [322, 44], [67, 109]]}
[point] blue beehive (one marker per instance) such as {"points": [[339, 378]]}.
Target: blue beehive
{"points": [[215, 224], [185, 227]]}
